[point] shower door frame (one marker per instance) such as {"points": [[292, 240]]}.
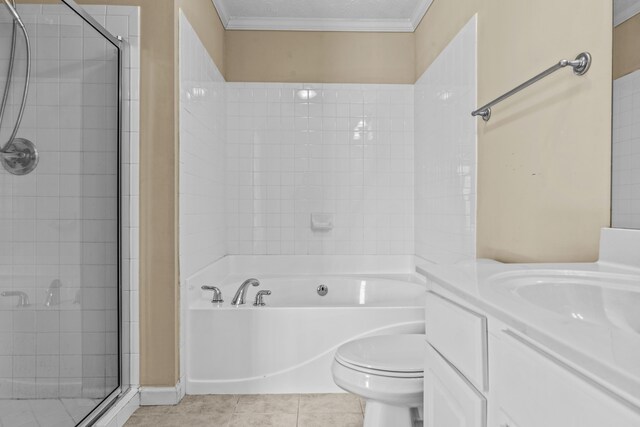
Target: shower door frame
{"points": [[118, 43]]}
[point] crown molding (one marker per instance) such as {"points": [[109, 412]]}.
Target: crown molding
{"points": [[306, 24], [627, 13], [419, 13], [310, 24], [222, 12]]}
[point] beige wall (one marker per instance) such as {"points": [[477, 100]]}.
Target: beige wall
{"points": [[206, 22], [442, 22], [159, 304], [319, 57], [626, 54], [544, 158]]}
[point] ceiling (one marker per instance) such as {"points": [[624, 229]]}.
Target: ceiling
{"points": [[624, 9], [322, 15]]}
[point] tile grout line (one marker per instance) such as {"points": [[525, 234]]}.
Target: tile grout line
{"points": [[235, 409]]}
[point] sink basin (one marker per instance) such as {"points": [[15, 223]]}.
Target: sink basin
{"points": [[582, 296]]}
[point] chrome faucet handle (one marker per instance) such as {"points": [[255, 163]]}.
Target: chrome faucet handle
{"points": [[23, 298], [259, 302], [217, 293]]}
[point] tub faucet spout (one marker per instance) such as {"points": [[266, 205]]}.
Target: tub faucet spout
{"points": [[53, 294], [241, 295]]}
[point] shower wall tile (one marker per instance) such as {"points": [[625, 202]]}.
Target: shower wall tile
{"points": [[61, 220], [295, 150], [626, 152], [115, 23], [445, 153], [202, 151], [202, 164]]}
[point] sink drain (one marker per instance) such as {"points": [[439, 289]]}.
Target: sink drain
{"points": [[322, 290]]}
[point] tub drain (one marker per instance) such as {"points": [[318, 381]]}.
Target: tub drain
{"points": [[322, 290]]}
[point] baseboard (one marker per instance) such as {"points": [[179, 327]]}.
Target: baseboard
{"points": [[122, 410], [152, 396]]}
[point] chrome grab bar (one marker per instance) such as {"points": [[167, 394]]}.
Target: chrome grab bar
{"points": [[580, 66]]}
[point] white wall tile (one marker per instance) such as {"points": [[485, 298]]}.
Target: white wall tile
{"points": [[445, 153], [203, 136], [298, 149], [202, 151], [626, 152]]}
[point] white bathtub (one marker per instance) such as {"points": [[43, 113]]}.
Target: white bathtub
{"points": [[288, 345]]}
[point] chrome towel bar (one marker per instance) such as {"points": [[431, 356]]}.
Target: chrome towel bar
{"points": [[580, 66]]}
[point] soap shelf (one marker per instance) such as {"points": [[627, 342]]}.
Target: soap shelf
{"points": [[321, 222]]}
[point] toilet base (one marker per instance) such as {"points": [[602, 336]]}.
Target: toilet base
{"points": [[378, 414]]}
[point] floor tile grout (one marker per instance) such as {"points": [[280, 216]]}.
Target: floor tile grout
{"points": [[259, 408]]}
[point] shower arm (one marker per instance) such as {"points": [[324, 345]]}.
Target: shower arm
{"points": [[6, 149]]}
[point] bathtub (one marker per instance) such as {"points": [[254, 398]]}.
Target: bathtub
{"points": [[288, 345]]}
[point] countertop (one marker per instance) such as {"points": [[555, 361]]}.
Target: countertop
{"points": [[605, 353]]}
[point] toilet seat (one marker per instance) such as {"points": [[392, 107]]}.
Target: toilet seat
{"points": [[398, 356], [387, 371], [380, 372]]}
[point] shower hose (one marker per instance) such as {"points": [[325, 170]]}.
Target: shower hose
{"points": [[6, 151]]}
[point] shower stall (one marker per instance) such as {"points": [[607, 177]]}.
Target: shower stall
{"points": [[60, 133]]}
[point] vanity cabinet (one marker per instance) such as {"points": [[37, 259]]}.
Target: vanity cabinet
{"points": [[460, 335], [480, 373], [451, 398], [455, 364], [531, 387]]}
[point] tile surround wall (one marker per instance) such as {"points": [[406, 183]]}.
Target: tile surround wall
{"points": [[202, 165], [445, 148], [202, 155], [626, 152], [124, 21], [339, 149], [62, 219]]}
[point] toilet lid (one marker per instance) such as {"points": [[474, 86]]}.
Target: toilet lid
{"points": [[391, 353]]}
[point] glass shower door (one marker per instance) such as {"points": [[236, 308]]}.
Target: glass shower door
{"points": [[59, 224]]}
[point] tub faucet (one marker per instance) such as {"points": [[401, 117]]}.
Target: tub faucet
{"points": [[23, 298], [241, 294], [53, 294]]}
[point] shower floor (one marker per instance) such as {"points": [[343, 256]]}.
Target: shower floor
{"points": [[44, 412]]}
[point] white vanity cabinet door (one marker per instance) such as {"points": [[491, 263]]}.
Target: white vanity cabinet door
{"points": [[450, 400], [533, 388], [460, 335]]}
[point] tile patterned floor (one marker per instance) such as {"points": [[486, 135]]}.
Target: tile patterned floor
{"points": [[277, 410], [44, 412]]}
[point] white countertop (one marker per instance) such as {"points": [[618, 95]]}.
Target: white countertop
{"points": [[605, 353]]}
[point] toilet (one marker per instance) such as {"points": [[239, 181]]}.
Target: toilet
{"points": [[388, 372]]}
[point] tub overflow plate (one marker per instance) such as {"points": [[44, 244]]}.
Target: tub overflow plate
{"points": [[323, 290]]}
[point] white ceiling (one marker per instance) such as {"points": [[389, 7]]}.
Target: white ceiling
{"points": [[624, 9], [322, 15]]}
